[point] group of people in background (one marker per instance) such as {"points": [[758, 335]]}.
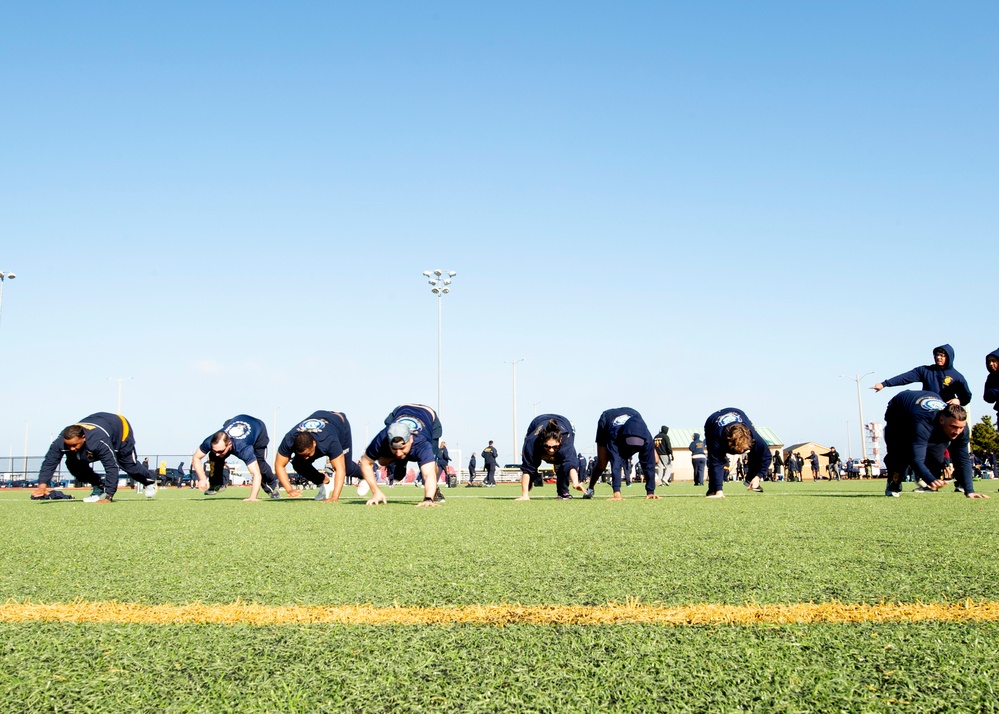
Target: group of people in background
{"points": [[926, 434]]}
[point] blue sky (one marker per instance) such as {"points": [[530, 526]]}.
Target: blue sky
{"points": [[672, 206]]}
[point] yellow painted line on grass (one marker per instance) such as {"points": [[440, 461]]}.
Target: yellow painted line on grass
{"points": [[496, 615]]}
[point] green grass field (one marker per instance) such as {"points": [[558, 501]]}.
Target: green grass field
{"points": [[796, 543]]}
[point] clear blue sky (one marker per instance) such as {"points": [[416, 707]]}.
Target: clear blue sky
{"points": [[674, 206]]}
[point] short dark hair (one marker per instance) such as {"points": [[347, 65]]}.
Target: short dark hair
{"points": [[74, 431], [221, 438], [302, 442], [955, 412]]}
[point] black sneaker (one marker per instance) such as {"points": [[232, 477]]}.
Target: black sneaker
{"points": [[439, 497], [564, 497], [275, 496]]}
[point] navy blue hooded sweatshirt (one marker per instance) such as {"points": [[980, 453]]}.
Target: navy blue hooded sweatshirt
{"points": [[533, 452], [619, 431], [946, 382], [759, 454], [992, 382], [913, 437]]}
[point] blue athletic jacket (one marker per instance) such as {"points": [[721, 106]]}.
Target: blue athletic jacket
{"points": [[104, 434]]}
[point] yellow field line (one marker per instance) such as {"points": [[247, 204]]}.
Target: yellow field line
{"points": [[496, 615]]}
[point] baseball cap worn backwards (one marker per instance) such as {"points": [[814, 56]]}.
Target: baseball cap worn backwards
{"points": [[399, 431]]}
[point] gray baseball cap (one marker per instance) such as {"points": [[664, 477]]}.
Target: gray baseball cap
{"points": [[399, 431]]}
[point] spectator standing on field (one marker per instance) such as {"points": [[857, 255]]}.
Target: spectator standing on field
{"points": [[489, 456], [698, 458], [778, 463], [664, 452], [813, 459], [471, 469], [833, 466]]}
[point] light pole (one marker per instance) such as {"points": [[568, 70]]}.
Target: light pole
{"points": [[860, 408], [514, 365], [119, 380], [440, 282], [4, 275]]}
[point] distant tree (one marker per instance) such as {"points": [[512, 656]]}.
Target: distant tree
{"points": [[984, 436]]}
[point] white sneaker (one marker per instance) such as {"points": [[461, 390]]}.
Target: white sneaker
{"points": [[93, 498], [325, 490], [150, 490], [363, 489]]}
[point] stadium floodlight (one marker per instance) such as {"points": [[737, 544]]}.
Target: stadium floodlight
{"points": [[439, 287]]}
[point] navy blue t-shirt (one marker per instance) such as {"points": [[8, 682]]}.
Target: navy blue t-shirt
{"points": [[331, 430], [244, 431], [420, 421]]}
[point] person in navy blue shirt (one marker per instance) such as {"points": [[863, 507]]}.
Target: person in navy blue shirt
{"points": [[322, 434], [103, 437], [698, 457], [729, 431], [550, 438], [992, 381], [622, 433], [940, 378], [412, 434], [920, 428], [245, 436]]}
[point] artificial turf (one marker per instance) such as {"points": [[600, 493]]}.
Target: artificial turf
{"points": [[795, 543]]}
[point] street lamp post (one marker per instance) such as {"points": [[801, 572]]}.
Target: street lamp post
{"points": [[860, 408], [4, 275], [513, 363], [440, 285], [119, 380]]}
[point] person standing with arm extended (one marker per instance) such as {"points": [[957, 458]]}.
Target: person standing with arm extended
{"points": [[940, 378]]}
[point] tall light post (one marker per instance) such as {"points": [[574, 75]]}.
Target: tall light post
{"points": [[860, 408], [440, 282], [4, 276], [119, 380], [513, 363]]}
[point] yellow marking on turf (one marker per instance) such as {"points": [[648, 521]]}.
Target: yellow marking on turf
{"points": [[496, 615]]}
